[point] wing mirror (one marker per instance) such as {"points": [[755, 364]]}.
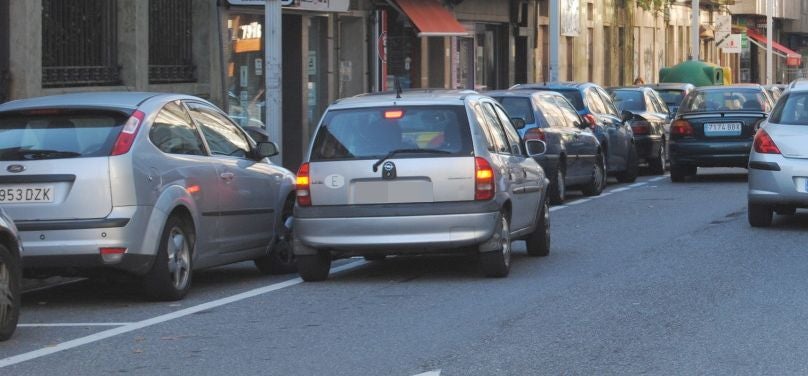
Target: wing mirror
{"points": [[518, 123], [535, 147], [265, 149], [626, 115]]}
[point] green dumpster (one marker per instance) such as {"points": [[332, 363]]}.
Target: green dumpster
{"points": [[698, 73]]}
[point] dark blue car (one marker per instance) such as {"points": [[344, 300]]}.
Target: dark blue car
{"points": [[607, 123]]}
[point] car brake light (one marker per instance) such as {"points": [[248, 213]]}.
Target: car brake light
{"points": [[483, 179], [641, 127], [535, 134], [590, 119], [112, 255], [127, 136], [764, 144], [682, 128], [302, 185], [393, 114]]}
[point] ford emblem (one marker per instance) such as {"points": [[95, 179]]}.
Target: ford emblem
{"points": [[388, 170], [15, 168]]}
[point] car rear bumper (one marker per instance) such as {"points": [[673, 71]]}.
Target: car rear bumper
{"points": [[394, 229], [647, 146], [776, 180], [76, 244], [710, 154]]}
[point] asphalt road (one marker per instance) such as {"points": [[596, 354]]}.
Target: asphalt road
{"points": [[650, 278]]}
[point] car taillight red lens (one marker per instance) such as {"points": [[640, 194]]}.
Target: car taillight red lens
{"points": [[590, 120], [127, 136], [302, 185], [641, 128], [681, 128], [483, 179], [764, 144], [535, 134]]}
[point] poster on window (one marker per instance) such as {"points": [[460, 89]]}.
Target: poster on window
{"points": [[570, 17]]}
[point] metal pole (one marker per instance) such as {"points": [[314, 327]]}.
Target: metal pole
{"points": [[769, 67], [694, 31], [555, 35], [272, 74]]}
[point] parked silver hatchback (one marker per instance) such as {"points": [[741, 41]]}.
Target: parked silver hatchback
{"points": [[154, 185], [417, 173]]}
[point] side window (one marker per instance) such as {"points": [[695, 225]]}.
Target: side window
{"points": [[607, 102], [223, 136], [478, 113], [173, 132], [495, 128], [660, 104], [594, 102], [555, 118], [573, 119], [510, 132]]}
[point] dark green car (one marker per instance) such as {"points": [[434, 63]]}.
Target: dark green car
{"points": [[714, 128]]}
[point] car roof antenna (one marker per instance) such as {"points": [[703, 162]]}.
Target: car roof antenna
{"points": [[397, 84]]}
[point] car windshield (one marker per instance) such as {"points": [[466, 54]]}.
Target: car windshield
{"points": [[672, 97], [630, 100], [518, 107], [791, 111], [58, 135], [366, 133], [728, 99]]}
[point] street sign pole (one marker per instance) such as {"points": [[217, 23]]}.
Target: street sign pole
{"points": [[694, 30], [769, 36], [272, 74], [555, 35]]}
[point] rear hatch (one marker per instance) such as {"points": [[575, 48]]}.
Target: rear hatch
{"points": [[409, 154], [54, 164], [727, 114], [792, 140]]}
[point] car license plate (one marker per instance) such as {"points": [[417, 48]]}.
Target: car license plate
{"points": [[26, 193], [722, 129]]}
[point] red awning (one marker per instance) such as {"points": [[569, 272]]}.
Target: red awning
{"points": [[792, 58], [431, 18]]}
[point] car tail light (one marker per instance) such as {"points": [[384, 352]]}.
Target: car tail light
{"points": [[112, 254], [681, 128], [590, 120], [127, 136], [535, 134], [302, 185], [483, 179], [640, 127], [764, 144]]}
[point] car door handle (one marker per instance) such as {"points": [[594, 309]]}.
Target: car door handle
{"points": [[227, 176]]}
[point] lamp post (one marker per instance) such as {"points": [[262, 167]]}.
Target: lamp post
{"points": [[555, 35], [769, 24], [694, 30], [272, 74]]}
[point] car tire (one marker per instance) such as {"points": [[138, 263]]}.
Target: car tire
{"points": [[281, 258], [538, 243], [759, 215], [787, 210], [10, 292], [657, 165], [314, 268], [680, 173], [170, 277], [629, 175], [497, 264], [598, 181], [558, 188]]}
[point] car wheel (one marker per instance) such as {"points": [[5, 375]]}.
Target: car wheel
{"points": [[629, 175], [657, 165], [281, 258], [170, 276], [538, 243], [10, 294], [558, 188], [759, 215], [497, 263], [598, 181], [786, 210], [679, 173], [314, 268]]}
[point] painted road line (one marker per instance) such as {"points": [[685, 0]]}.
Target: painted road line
{"points": [[5, 362], [618, 190], [658, 178], [65, 324], [635, 185], [554, 208], [581, 201], [430, 373]]}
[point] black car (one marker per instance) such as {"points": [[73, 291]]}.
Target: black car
{"points": [[573, 158], [672, 93], [649, 118], [595, 106], [714, 128]]}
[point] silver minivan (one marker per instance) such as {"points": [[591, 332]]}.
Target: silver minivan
{"points": [[154, 185], [415, 173]]}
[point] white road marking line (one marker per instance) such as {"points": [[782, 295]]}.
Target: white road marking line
{"points": [[5, 362], [554, 208], [618, 190], [430, 373], [635, 185], [658, 178], [65, 324], [581, 201]]}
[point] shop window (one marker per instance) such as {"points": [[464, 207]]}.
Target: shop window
{"points": [[79, 40], [171, 41]]}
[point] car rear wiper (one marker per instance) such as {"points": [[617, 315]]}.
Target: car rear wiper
{"points": [[45, 154], [399, 151]]}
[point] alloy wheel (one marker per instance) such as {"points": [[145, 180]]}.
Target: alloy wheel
{"points": [[179, 258]]}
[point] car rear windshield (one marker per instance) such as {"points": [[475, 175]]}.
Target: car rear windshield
{"points": [[518, 107], [630, 100], [792, 109], [49, 134], [363, 133], [574, 96], [729, 99], [671, 96]]}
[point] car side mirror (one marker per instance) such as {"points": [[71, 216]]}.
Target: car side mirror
{"points": [[518, 123], [535, 147], [265, 149], [626, 115]]}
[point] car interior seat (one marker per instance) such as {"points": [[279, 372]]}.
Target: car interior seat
{"points": [[752, 104]]}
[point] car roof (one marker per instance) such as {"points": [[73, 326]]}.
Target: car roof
{"points": [[116, 100], [729, 87], [521, 93], [553, 85], [671, 85], [418, 97]]}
